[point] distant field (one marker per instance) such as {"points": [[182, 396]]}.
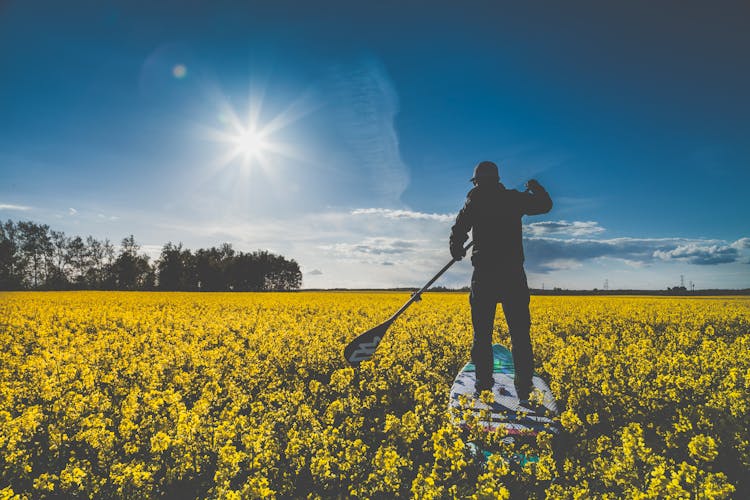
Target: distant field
{"points": [[236, 395]]}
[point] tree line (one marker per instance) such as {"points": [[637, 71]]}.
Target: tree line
{"points": [[34, 257]]}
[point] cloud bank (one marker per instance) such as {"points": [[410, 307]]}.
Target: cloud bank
{"points": [[549, 246], [544, 255], [373, 247]]}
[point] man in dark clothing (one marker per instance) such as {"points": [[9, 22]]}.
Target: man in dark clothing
{"points": [[493, 214]]}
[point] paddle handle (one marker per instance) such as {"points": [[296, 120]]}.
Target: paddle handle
{"points": [[416, 296]]}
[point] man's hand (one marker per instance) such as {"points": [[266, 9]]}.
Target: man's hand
{"points": [[533, 185], [458, 252]]}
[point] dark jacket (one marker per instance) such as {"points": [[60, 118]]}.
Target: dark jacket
{"points": [[494, 213]]}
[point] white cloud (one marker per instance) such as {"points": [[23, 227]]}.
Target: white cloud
{"points": [[695, 253], [563, 227], [373, 246], [72, 211], [8, 206], [366, 104], [389, 213], [741, 244]]}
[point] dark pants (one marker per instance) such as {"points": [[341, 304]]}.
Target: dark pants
{"points": [[488, 287]]}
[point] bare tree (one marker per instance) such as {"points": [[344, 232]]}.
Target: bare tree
{"points": [[11, 258], [95, 253], [77, 259], [35, 244]]}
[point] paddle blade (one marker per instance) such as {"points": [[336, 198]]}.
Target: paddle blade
{"points": [[363, 347]]}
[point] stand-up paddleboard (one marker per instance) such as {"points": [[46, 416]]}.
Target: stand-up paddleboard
{"points": [[505, 411]]}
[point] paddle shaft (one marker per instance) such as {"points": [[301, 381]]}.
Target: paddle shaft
{"points": [[417, 294]]}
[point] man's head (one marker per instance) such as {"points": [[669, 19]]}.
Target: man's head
{"points": [[485, 173]]}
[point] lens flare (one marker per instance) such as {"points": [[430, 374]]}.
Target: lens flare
{"points": [[179, 71]]}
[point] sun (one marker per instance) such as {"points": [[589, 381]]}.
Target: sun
{"points": [[248, 145], [253, 144]]}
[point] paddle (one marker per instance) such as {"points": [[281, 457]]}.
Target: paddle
{"points": [[363, 347]]}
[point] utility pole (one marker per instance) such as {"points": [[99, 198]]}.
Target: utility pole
{"points": [[606, 285], [682, 281]]}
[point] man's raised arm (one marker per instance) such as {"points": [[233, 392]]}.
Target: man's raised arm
{"points": [[536, 199]]}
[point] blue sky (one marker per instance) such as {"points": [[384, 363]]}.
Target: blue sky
{"points": [[343, 134]]}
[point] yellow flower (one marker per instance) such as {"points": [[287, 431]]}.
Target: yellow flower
{"points": [[242, 395], [703, 448], [160, 442]]}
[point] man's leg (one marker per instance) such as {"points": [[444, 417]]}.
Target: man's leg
{"points": [[516, 309], [483, 304]]}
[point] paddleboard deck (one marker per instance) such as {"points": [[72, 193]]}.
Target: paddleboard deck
{"points": [[505, 409]]}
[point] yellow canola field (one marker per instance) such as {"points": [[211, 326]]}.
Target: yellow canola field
{"points": [[136, 395]]}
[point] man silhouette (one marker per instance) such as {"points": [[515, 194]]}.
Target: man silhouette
{"points": [[493, 214]]}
